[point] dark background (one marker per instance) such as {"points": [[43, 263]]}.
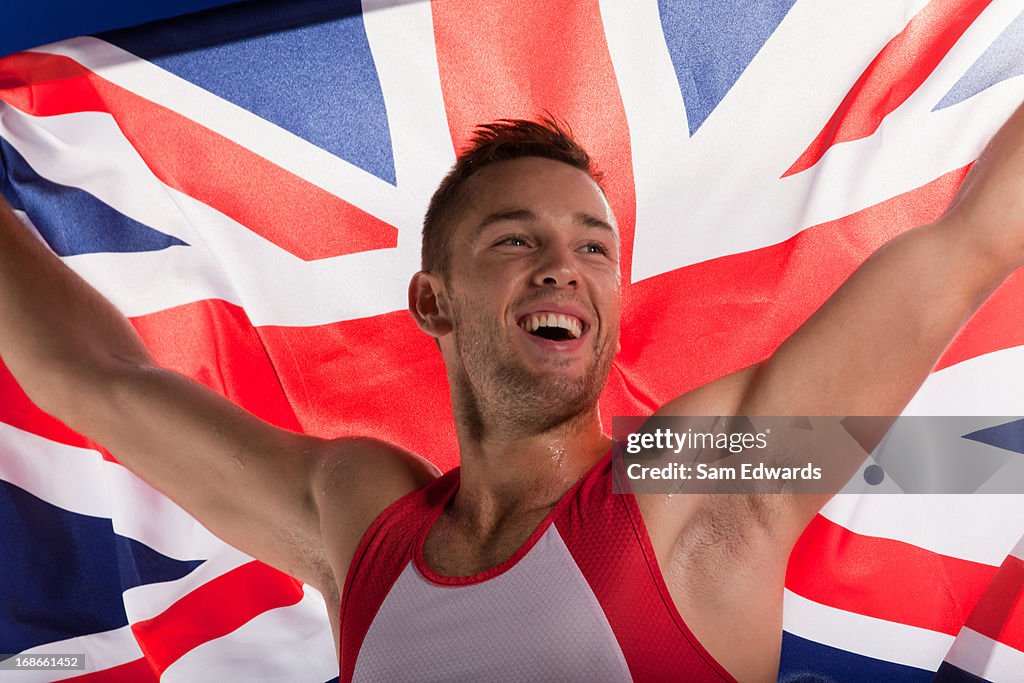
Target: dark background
{"points": [[30, 23]]}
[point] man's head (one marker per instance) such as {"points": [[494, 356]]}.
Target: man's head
{"points": [[521, 282], [492, 143]]}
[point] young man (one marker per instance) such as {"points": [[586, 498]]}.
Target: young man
{"points": [[522, 564]]}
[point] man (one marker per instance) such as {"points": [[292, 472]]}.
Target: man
{"points": [[522, 565]]}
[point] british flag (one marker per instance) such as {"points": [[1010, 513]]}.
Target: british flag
{"points": [[247, 184]]}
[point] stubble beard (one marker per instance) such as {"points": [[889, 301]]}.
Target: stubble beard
{"points": [[498, 397]]}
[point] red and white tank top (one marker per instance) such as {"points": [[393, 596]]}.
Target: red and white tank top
{"points": [[582, 600]]}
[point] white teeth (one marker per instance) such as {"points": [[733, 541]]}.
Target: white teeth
{"points": [[569, 323]]}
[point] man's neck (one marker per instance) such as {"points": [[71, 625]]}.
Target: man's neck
{"points": [[513, 474]]}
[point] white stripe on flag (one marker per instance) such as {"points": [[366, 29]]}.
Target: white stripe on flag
{"points": [[885, 640], [944, 524], [984, 386], [300, 293], [150, 600], [700, 218], [401, 37], [987, 658], [654, 106], [30, 462]]}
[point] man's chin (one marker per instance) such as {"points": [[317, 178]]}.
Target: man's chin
{"points": [[554, 381], [553, 397]]}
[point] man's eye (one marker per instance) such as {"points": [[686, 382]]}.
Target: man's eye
{"points": [[595, 248], [514, 241]]}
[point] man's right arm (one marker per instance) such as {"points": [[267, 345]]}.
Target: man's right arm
{"points": [[267, 491]]}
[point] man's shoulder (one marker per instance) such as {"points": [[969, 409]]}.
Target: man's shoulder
{"points": [[357, 479], [362, 476], [365, 455]]}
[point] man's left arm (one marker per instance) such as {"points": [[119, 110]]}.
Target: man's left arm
{"points": [[868, 349], [871, 345]]}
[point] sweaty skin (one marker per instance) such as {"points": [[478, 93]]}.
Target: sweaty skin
{"points": [[537, 237]]}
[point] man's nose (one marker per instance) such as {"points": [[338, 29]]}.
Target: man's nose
{"points": [[557, 269]]}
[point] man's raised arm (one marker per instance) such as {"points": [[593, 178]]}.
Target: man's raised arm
{"points": [[867, 350], [268, 491], [872, 344]]}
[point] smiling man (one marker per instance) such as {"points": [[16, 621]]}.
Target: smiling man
{"points": [[521, 564]]}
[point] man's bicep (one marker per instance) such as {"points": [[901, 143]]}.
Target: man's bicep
{"points": [[246, 480], [722, 396]]}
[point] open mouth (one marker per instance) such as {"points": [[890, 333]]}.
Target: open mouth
{"points": [[552, 326]]}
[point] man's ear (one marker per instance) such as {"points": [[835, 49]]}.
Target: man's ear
{"points": [[428, 304]]}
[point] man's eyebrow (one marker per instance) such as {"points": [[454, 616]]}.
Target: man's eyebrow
{"points": [[525, 216], [589, 221], [522, 215]]}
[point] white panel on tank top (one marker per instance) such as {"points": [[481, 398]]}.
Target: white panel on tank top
{"points": [[538, 621]]}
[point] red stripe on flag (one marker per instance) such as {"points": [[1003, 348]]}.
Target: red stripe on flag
{"points": [[137, 671], [893, 75], [509, 59], [281, 207], [212, 342], [675, 339], [995, 326], [999, 613], [885, 579], [378, 377], [213, 610]]}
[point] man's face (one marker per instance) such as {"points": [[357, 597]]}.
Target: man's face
{"points": [[534, 291]]}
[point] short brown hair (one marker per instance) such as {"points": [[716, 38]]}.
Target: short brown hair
{"points": [[502, 140]]}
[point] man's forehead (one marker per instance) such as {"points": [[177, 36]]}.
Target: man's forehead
{"points": [[515, 189]]}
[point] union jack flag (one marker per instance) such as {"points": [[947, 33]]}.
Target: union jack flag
{"points": [[247, 184]]}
